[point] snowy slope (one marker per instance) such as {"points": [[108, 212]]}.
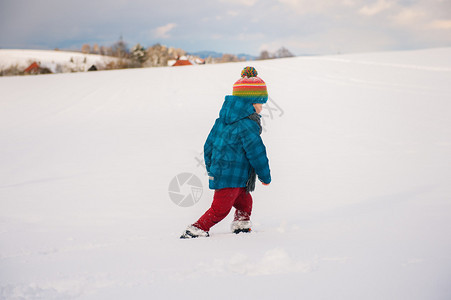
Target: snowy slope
{"points": [[56, 61], [359, 206]]}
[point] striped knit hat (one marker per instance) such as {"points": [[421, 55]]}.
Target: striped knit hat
{"points": [[251, 86]]}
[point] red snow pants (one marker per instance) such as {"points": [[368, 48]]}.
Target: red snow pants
{"points": [[223, 201]]}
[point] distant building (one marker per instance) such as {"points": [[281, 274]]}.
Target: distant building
{"points": [[32, 69], [186, 61], [199, 61], [35, 69], [182, 62]]}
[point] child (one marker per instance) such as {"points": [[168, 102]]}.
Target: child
{"points": [[234, 154]]}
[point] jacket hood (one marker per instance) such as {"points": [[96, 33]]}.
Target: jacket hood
{"points": [[236, 108]]}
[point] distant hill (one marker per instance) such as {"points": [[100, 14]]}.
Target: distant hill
{"points": [[247, 56], [205, 54], [213, 54]]}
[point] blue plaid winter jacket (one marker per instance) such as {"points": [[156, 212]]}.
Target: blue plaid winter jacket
{"points": [[234, 146]]}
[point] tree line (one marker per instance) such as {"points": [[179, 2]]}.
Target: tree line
{"points": [[159, 55]]}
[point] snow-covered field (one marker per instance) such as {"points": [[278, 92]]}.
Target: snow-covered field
{"points": [[359, 206], [56, 61]]}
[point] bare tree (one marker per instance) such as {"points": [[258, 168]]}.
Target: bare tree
{"points": [[95, 49], [283, 52], [264, 55], [229, 58], [85, 49], [120, 48], [158, 55]]}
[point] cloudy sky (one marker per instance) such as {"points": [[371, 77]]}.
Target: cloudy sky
{"points": [[232, 26]]}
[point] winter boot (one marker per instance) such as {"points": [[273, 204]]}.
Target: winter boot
{"points": [[241, 226], [193, 232]]}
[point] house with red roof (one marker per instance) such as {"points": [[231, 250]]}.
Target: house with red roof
{"points": [[32, 69], [35, 69], [182, 62]]}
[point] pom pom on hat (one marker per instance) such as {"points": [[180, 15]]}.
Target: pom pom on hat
{"points": [[249, 72], [251, 86]]}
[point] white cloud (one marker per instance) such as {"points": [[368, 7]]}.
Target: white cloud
{"points": [[441, 24], [295, 45], [335, 40], [247, 3], [250, 36], [290, 2], [163, 31], [409, 17], [303, 7], [348, 3], [233, 13], [216, 36], [303, 26], [375, 8]]}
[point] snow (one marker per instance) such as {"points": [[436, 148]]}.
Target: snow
{"points": [[56, 61], [359, 206]]}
